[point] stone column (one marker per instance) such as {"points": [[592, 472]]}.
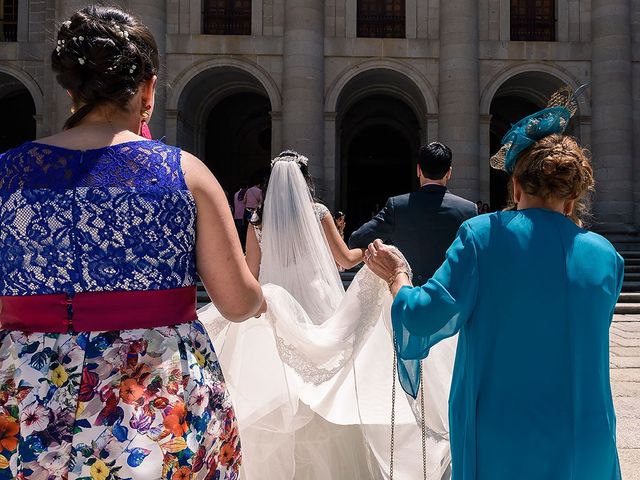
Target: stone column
{"points": [[303, 81], [276, 133], [153, 14], [331, 176], [459, 93], [485, 152], [611, 129]]}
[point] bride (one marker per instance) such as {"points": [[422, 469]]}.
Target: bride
{"points": [[312, 378]]}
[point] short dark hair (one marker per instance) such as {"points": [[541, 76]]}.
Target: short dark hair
{"points": [[434, 160]]}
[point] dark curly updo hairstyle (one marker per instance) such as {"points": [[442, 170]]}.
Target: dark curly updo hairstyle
{"points": [[102, 56], [558, 167]]}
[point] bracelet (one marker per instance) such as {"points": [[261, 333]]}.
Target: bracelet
{"points": [[392, 278]]}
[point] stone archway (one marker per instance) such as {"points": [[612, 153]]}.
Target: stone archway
{"points": [[519, 96], [380, 124], [224, 117], [20, 125]]}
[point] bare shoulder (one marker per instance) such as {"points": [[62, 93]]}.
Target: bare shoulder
{"points": [[196, 173]]}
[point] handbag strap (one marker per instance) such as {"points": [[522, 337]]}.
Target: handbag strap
{"points": [[393, 416]]}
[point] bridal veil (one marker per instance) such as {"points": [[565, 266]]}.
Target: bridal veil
{"points": [[311, 379]]}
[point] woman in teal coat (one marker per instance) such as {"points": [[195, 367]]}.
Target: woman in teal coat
{"points": [[532, 295]]}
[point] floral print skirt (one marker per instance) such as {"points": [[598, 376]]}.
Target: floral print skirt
{"points": [[130, 404]]}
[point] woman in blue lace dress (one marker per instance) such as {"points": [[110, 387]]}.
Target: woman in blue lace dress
{"points": [[532, 294], [105, 372]]}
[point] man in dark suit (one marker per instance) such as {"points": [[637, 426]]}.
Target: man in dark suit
{"points": [[424, 223]]}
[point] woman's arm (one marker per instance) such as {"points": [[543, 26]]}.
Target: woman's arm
{"points": [[219, 259], [422, 316], [440, 307], [343, 256], [254, 254]]}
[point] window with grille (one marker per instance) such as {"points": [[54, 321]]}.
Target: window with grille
{"points": [[533, 20], [8, 20], [226, 17], [381, 18]]}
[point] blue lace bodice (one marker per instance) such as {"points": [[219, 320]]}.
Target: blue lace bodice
{"points": [[114, 218]]}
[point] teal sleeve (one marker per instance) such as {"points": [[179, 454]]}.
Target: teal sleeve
{"points": [[424, 315]]}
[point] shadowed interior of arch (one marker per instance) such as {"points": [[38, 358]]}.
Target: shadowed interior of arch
{"points": [[224, 117], [380, 125], [19, 124], [238, 140], [379, 143]]}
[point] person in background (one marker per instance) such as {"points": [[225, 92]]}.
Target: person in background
{"points": [[485, 208], [422, 224], [239, 207], [340, 219], [479, 206], [252, 199]]}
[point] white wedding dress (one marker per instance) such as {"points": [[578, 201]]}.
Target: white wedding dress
{"points": [[311, 380]]}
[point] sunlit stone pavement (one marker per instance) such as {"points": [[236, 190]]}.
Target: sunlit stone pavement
{"points": [[625, 382]]}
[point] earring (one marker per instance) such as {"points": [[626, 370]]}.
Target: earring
{"points": [[145, 113], [73, 110]]}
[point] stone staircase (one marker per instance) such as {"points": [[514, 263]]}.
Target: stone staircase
{"points": [[628, 303], [628, 245]]}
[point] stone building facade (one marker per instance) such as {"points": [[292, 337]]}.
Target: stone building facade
{"points": [[358, 85]]}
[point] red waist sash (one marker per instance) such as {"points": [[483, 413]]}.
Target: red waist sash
{"points": [[98, 311]]}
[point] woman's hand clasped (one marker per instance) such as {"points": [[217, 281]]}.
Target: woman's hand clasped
{"points": [[388, 265]]}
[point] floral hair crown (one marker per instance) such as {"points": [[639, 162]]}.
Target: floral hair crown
{"points": [[562, 105], [291, 156]]}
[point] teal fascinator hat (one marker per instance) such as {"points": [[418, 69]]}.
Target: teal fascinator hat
{"points": [[553, 119]]}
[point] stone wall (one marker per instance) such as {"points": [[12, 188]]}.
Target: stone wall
{"points": [[421, 64]]}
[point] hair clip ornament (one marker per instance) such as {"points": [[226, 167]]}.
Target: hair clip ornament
{"points": [[122, 33]]}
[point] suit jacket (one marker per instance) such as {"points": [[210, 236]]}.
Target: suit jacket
{"points": [[421, 224]]}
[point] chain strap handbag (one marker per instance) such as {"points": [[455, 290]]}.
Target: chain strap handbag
{"points": [[393, 417]]}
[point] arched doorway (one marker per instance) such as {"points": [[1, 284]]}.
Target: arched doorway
{"points": [[380, 138], [238, 139], [225, 118], [20, 125], [381, 123], [521, 95]]}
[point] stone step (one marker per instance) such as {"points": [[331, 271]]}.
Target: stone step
{"points": [[631, 287], [631, 277], [627, 308], [631, 268], [629, 297], [629, 254], [348, 275], [627, 247]]}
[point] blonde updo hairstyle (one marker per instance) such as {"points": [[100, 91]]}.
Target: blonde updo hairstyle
{"points": [[558, 167]]}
